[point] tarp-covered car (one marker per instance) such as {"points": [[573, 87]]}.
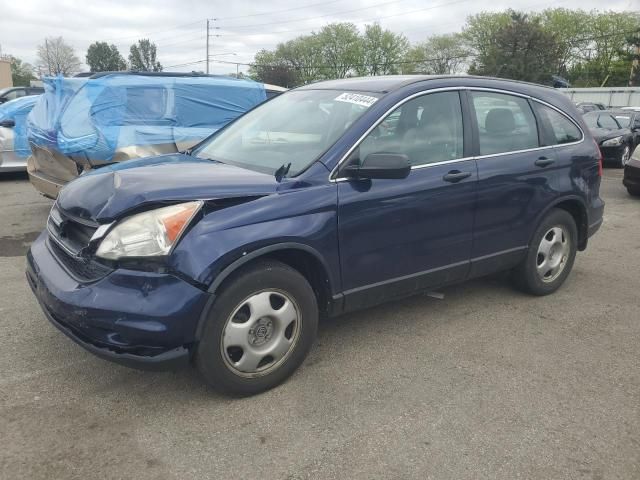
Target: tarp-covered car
{"points": [[84, 123], [14, 148]]}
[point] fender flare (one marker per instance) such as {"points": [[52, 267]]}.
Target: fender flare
{"points": [[244, 259], [233, 266], [554, 204]]}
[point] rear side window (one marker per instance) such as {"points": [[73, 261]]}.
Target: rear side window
{"points": [[557, 128], [505, 123]]}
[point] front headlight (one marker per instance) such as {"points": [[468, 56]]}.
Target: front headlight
{"points": [[148, 234], [612, 142]]}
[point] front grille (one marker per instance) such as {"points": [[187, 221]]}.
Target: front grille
{"points": [[82, 269], [68, 240], [72, 234]]}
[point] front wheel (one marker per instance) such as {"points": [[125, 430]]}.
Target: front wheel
{"points": [[551, 255], [259, 330], [625, 156], [634, 192]]}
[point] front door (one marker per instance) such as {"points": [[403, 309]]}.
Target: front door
{"points": [[397, 237]]}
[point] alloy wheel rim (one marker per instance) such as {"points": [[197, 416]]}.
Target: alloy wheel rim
{"points": [[553, 253], [261, 333], [626, 154]]}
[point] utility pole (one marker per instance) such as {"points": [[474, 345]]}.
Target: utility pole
{"points": [[207, 46]]}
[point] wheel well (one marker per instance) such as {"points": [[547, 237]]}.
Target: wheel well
{"points": [[579, 214], [307, 264], [312, 269]]}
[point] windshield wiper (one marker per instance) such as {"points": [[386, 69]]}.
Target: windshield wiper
{"points": [[282, 171]]}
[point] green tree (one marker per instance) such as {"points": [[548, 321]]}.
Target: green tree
{"points": [[438, 55], [142, 57], [608, 33], [382, 51], [56, 57], [21, 73], [341, 48], [518, 47], [570, 32], [102, 57], [268, 67], [304, 56]]}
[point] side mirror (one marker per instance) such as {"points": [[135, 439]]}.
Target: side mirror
{"points": [[7, 123], [382, 166]]}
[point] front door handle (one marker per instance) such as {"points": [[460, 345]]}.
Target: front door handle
{"points": [[544, 162], [455, 176]]}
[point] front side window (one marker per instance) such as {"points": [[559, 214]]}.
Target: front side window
{"points": [[559, 129], [428, 129], [290, 131], [505, 123]]}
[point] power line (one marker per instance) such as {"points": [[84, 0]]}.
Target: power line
{"points": [[433, 7], [273, 12], [147, 34], [318, 16]]}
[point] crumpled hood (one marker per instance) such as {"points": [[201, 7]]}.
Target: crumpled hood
{"points": [[601, 134], [105, 194]]}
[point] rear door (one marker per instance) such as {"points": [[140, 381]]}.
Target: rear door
{"points": [[518, 176], [401, 236]]}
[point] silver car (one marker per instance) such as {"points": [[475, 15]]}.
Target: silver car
{"points": [[14, 147]]}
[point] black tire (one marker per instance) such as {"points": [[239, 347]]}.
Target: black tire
{"points": [[634, 192], [525, 276], [247, 281]]}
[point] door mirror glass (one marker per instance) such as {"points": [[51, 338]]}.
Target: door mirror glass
{"points": [[381, 166]]}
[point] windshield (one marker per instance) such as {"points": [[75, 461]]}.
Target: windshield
{"points": [[623, 120], [598, 120], [294, 128]]}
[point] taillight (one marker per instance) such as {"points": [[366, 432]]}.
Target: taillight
{"points": [[600, 158]]}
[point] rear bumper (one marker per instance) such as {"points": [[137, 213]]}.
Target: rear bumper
{"points": [[46, 185], [612, 154], [137, 319]]}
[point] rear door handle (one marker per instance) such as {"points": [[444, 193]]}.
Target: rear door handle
{"points": [[455, 176], [544, 162]]}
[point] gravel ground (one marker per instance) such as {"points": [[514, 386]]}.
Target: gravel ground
{"points": [[487, 383]]}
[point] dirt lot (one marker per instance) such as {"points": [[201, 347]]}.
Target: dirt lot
{"points": [[487, 383]]}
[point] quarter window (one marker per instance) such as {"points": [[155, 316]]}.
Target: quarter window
{"points": [[428, 129], [559, 129], [505, 123]]}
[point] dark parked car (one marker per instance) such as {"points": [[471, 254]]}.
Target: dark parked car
{"points": [[12, 93], [615, 140], [304, 207], [585, 107], [631, 178], [630, 119]]}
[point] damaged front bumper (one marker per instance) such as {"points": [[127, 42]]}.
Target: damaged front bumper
{"points": [[139, 319]]}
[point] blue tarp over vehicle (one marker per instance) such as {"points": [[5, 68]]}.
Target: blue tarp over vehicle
{"points": [[17, 110], [98, 117]]}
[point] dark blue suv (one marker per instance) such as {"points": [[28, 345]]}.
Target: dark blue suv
{"points": [[329, 198]]}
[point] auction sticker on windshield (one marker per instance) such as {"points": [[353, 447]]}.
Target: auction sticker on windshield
{"points": [[357, 98]]}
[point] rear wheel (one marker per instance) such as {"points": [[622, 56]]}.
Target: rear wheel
{"points": [[259, 330], [551, 255]]}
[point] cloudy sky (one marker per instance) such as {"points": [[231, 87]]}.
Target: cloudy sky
{"points": [[241, 28]]}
